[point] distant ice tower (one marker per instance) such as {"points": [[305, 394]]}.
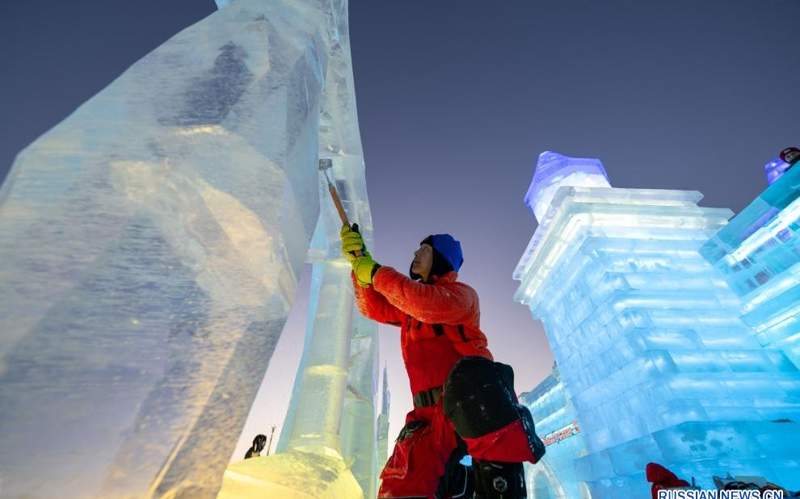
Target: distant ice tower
{"points": [[647, 336], [383, 422]]}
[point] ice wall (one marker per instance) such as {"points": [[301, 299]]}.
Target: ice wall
{"points": [[758, 253], [557, 424], [649, 343], [149, 248]]}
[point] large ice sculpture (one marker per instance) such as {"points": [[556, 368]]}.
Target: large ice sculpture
{"points": [[649, 343], [328, 441], [149, 248], [758, 253]]}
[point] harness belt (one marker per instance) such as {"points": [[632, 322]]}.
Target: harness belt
{"points": [[428, 397]]}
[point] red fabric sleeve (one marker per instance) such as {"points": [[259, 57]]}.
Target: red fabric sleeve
{"points": [[374, 306], [449, 303], [474, 344]]}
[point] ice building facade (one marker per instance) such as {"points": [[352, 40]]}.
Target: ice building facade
{"points": [[647, 336], [149, 251], [557, 423], [758, 253]]}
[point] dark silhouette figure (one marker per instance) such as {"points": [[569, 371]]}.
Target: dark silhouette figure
{"points": [[258, 445]]}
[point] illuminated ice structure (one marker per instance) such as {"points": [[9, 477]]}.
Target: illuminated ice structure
{"points": [[149, 251], [647, 336], [758, 253], [328, 440], [557, 423]]}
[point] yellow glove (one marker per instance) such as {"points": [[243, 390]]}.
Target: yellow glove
{"points": [[351, 243], [364, 267]]}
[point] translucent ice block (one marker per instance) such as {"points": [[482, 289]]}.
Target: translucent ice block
{"points": [[331, 416], [149, 247]]}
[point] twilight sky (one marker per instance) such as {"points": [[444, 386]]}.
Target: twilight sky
{"points": [[456, 99]]}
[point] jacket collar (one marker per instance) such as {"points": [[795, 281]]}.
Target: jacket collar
{"points": [[448, 277]]}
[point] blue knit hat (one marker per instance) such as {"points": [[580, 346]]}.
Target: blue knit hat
{"points": [[448, 248], [447, 255]]}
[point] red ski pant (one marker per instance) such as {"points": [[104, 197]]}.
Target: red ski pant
{"points": [[419, 457]]}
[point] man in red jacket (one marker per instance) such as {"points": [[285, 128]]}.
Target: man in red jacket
{"points": [[464, 402]]}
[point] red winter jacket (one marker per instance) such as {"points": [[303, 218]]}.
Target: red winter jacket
{"points": [[662, 479], [439, 322]]}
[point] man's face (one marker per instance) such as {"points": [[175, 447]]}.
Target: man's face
{"points": [[423, 260]]}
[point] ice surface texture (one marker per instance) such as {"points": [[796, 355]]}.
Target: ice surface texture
{"points": [[758, 253], [331, 415], [149, 248], [649, 342], [332, 410], [556, 422]]}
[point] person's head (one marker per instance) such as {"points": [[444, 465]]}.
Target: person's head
{"points": [[437, 255], [259, 443]]}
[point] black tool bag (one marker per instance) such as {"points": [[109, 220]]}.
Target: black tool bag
{"points": [[479, 399], [479, 396]]}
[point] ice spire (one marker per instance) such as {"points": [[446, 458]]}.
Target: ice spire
{"points": [[385, 395], [554, 170]]}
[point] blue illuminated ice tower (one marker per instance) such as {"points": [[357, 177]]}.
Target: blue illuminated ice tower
{"points": [[647, 336], [758, 252]]}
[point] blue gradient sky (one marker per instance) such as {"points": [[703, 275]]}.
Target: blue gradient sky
{"points": [[457, 98]]}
